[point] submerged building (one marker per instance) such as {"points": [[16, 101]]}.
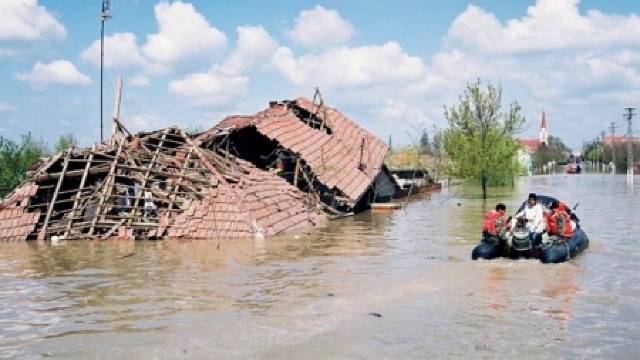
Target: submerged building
{"points": [[293, 165]]}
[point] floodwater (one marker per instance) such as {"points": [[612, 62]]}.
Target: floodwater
{"points": [[316, 295]]}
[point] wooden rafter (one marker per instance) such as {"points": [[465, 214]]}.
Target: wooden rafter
{"points": [[43, 232]]}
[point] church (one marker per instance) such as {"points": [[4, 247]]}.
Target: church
{"points": [[531, 145]]}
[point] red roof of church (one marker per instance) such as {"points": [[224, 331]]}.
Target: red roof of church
{"points": [[543, 125]]}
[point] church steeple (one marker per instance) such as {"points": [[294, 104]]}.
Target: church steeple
{"points": [[544, 135]]}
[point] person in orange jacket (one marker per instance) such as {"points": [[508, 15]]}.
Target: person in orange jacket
{"points": [[494, 227], [559, 226]]}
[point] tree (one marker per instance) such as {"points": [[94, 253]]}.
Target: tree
{"points": [[424, 142], [65, 141], [479, 140], [16, 158], [193, 130], [438, 149]]}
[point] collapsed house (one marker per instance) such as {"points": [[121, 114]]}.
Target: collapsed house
{"points": [[315, 148], [291, 166]]}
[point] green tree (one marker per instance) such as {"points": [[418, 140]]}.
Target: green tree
{"points": [[193, 130], [16, 158], [425, 145], [438, 150], [65, 141], [479, 140]]}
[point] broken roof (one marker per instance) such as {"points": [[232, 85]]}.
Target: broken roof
{"points": [[197, 194], [342, 154]]}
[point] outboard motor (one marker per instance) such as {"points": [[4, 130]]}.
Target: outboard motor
{"points": [[520, 240]]}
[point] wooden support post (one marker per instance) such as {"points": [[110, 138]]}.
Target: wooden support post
{"points": [[106, 191], [112, 229], [72, 214], [147, 174], [116, 112], [296, 173], [43, 231]]}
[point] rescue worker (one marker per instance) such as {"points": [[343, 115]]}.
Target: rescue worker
{"points": [[560, 227], [535, 219], [494, 227]]}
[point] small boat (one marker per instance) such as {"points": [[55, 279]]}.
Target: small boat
{"points": [[552, 253], [574, 168], [413, 181]]}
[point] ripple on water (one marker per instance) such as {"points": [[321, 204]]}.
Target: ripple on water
{"points": [[310, 295]]}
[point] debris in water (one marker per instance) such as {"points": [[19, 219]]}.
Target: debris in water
{"points": [[375, 314]]}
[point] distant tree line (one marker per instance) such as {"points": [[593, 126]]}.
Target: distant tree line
{"points": [[556, 151], [596, 152], [17, 156]]}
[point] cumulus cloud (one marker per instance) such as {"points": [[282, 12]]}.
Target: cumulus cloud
{"points": [[217, 87], [549, 25], [320, 27], [26, 20], [139, 80], [7, 107], [349, 67], [183, 33], [120, 49], [57, 72], [254, 45]]}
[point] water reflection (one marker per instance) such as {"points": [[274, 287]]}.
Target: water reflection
{"points": [[308, 295]]}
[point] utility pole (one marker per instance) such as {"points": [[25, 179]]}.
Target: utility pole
{"points": [[630, 139], [602, 134], [104, 16], [613, 143]]}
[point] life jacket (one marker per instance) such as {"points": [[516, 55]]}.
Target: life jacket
{"points": [[560, 224], [493, 223]]}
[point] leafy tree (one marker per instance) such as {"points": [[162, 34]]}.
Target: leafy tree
{"points": [[193, 130], [65, 141], [16, 158], [479, 140], [424, 142], [438, 150]]}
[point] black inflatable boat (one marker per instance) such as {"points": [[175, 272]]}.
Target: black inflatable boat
{"points": [[553, 253]]}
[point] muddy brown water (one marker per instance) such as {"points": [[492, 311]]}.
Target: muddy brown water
{"points": [[311, 296]]}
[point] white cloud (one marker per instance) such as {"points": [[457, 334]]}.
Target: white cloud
{"points": [[56, 72], [321, 28], [26, 20], [254, 45], [183, 33], [139, 81], [65, 123], [549, 25], [7, 107], [217, 87], [350, 67], [120, 49]]}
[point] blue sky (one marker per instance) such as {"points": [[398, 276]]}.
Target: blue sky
{"points": [[389, 65]]}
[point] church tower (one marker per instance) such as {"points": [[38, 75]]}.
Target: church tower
{"points": [[544, 135]]}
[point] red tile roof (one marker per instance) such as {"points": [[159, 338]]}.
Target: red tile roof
{"points": [[609, 139], [237, 200], [334, 158]]}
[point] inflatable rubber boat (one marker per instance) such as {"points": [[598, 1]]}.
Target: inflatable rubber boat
{"points": [[548, 252]]}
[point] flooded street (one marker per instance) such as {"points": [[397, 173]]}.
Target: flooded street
{"points": [[311, 295]]}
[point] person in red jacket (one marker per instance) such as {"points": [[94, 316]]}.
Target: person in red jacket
{"points": [[560, 222], [494, 227]]}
